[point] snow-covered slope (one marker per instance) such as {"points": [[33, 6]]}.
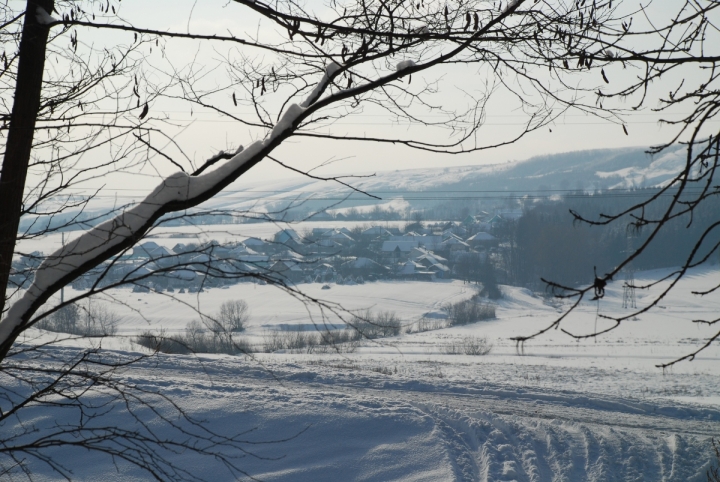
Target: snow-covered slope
{"points": [[370, 420], [584, 170], [402, 408], [421, 188]]}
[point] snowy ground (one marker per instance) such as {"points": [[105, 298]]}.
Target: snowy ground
{"points": [[402, 409]]}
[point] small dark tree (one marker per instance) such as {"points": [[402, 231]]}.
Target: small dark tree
{"points": [[488, 278]]}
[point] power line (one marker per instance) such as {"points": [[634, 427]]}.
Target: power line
{"points": [[489, 195]]}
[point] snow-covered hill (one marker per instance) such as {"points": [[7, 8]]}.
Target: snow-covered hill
{"points": [[402, 408], [584, 170], [423, 188]]}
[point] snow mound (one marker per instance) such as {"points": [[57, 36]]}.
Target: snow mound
{"points": [[405, 64]]}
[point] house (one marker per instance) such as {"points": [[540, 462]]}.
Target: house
{"points": [[180, 248], [469, 220], [287, 270], [217, 250], [419, 253], [398, 249], [339, 237], [254, 243], [413, 270], [149, 250], [364, 267], [453, 243], [376, 231], [321, 216], [510, 214], [247, 255], [429, 242], [286, 236], [324, 272], [328, 244], [440, 270], [430, 262], [482, 239]]}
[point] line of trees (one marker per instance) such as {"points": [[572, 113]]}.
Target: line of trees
{"points": [[547, 242]]}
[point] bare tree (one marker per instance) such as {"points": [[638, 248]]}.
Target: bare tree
{"points": [[320, 68], [686, 52]]}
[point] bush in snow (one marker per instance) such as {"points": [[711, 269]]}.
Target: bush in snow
{"points": [[339, 341], [468, 345], [196, 339], [233, 315], [428, 324], [382, 324], [91, 320], [468, 311]]}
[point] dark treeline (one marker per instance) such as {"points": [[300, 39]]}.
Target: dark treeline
{"points": [[548, 243]]}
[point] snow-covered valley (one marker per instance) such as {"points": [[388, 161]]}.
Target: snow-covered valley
{"points": [[402, 408]]}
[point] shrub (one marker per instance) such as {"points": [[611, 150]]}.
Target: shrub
{"points": [[91, 320], [428, 324], [343, 341], [234, 315], [468, 345], [195, 340], [385, 323], [468, 311], [161, 343]]}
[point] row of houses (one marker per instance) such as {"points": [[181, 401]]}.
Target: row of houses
{"points": [[429, 253]]}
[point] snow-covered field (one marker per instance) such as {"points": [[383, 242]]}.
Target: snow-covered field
{"points": [[400, 408]]}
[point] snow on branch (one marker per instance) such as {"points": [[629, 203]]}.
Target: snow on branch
{"points": [[108, 238], [43, 17]]}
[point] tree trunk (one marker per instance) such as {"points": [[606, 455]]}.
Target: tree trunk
{"points": [[31, 62]]}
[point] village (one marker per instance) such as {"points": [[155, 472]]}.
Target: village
{"points": [[470, 250]]}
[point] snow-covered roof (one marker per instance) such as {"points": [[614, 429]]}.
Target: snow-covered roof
{"points": [[481, 236], [454, 241], [362, 262], [377, 231], [320, 216], [411, 267], [149, 250], [341, 237], [430, 242], [285, 235], [253, 242], [328, 243]]}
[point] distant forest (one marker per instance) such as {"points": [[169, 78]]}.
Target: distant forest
{"points": [[545, 242]]}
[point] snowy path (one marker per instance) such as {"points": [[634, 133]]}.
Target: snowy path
{"points": [[365, 425]]}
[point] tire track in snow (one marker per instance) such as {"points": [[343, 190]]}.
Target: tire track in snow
{"points": [[496, 433], [510, 440]]}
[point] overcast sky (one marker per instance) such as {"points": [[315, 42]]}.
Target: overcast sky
{"points": [[208, 133]]}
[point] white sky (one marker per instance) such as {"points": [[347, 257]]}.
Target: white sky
{"points": [[208, 133]]}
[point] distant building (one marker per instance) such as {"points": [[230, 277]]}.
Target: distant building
{"points": [[286, 236], [149, 250]]}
